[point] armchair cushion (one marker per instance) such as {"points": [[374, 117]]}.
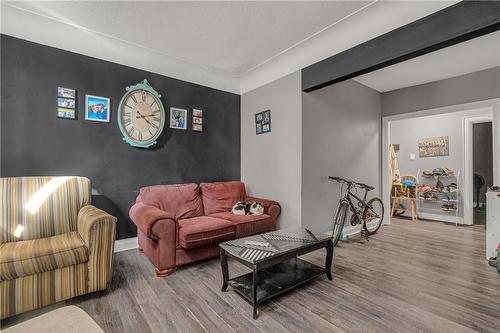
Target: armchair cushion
{"points": [[18, 259], [180, 201], [247, 225], [221, 197], [204, 230]]}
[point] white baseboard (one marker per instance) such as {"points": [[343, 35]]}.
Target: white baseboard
{"points": [[126, 244]]}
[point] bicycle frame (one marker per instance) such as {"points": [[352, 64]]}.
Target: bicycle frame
{"points": [[361, 203]]}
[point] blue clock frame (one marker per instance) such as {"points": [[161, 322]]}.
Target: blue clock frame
{"points": [[143, 85]]}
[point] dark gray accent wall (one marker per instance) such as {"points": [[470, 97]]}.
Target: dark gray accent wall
{"points": [[35, 142], [455, 24], [468, 88]]}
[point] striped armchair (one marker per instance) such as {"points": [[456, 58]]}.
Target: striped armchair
{"points": [[53, 244]]}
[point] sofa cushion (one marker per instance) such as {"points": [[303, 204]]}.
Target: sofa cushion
{"points": [[180, 201], [247, 225], [18, 259], [221, 197], [204, 230]]}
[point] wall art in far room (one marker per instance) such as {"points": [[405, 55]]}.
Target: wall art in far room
{"points": [[97, 108], [431, 147], [178, 118], [263, 122]]}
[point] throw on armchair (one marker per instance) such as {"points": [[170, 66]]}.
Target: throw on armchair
{"points": [[180, 224], [53, 244]]}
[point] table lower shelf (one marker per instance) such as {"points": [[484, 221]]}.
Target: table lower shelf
{"points": [[276, 279]]}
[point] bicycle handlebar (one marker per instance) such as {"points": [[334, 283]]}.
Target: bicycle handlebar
{"points": [[351, 182]]}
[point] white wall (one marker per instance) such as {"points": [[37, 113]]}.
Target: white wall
{"points": [[271, 162], [341, 136]]}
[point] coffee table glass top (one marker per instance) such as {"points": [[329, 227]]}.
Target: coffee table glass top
{"points": [[259, 247]]}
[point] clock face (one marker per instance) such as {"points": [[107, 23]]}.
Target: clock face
{"points": [[141, 117]]}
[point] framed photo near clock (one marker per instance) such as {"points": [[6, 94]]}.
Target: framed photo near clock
{"points": [[97, 108], [178, 118]]}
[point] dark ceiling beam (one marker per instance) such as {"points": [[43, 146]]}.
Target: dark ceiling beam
{"points": [[452, 25]]}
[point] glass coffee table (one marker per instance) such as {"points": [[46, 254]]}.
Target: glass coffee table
{"points": [[273, 258]]}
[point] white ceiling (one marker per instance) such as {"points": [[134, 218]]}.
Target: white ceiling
{"points": [[467, 57], [233, 46]]}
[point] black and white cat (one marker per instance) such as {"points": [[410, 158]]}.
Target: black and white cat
{"points": [[247, 208]]}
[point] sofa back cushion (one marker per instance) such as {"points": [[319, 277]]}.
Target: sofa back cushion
{"points": [[221, 197], [39, 207], [181, 200]]}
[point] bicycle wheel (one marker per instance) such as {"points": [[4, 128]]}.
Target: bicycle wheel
{"points": [[338, 223], [373, 215]]}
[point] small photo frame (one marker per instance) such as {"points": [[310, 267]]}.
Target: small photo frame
{"points": [[178, 118], [66, 92], [197, 128], [263, 122], [197, 113], [197, 120], [66, 113], [66, 103], [97, 108]]}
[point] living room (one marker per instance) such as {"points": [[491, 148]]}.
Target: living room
{"points": [[173, 174]]}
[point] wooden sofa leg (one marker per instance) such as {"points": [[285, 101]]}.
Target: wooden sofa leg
{"points": [[164, 272]]}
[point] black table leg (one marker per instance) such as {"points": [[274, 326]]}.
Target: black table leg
{"points": [[329, 258], [254, 293], [225, 270]]}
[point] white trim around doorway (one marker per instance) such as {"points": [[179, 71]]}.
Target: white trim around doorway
{"points": [[491, 109], [467, 164]]}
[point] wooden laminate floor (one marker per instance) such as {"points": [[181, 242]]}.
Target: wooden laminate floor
{"points": [[410, 277]]}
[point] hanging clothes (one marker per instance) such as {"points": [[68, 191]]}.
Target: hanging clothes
{"points": [[393, 162]]}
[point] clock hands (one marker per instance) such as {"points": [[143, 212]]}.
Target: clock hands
{"points": [[143, 117]]}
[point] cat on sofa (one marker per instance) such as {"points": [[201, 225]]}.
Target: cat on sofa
{"points": [[247, 208]]}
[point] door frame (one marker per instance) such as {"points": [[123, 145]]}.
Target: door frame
{"points": [[467, 163], [491, 108]]}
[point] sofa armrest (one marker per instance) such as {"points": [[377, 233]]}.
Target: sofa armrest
{"points": [[271, 207], [98, 230], [146, 217]]}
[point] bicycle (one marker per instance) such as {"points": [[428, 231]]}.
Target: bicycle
{"points": [[370, 213]]}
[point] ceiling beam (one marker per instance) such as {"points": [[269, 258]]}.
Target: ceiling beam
{"points": [[452, 25]]}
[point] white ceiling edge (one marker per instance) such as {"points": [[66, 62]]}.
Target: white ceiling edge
{"points": [[26, 25], [375, 20]]}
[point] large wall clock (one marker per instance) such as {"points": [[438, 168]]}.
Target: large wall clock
{"points": [[141, 116]]}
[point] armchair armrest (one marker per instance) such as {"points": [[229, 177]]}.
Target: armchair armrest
{"points": [[271, 207], [98, 230], [145, 217]]}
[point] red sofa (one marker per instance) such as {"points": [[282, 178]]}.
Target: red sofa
{"points": [[180, 224]]}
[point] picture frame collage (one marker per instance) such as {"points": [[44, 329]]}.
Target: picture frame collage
{"points": [[96, 108], [66, 103], [178, 119], [263, 122]]}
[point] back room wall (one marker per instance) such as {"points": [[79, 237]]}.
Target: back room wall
{"points": [[35, 142]]}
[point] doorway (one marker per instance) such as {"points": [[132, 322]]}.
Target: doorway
{"points": [[482, 155], [461, 150]]}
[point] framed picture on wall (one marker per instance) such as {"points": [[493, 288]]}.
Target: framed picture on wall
{"points": [[263, 122], [66, 103], [97, 108], [197, 120], [178, 118]]}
